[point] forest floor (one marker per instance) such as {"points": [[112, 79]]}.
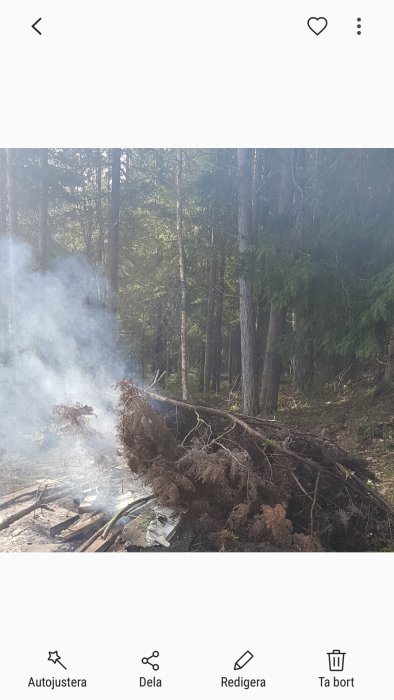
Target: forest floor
{"points": [[352, 417]]}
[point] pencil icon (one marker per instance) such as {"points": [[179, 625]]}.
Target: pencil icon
{"points": [[243, 660]]}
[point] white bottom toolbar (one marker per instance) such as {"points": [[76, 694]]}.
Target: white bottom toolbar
{"points": [[196, 625]]}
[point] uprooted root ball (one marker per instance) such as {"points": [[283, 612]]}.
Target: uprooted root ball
{"points": [[252, 484]]}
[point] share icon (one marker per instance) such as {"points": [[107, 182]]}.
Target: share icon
{"points": [[147, 660]]}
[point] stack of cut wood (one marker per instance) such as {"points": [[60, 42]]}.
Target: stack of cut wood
{"points": [[68, 517]]}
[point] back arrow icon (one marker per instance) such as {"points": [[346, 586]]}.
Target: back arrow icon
{"points": [[34, 26]]}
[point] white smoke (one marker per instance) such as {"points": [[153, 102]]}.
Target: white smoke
{"points": [[56, 343]]}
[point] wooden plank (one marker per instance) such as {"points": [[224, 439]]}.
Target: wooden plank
{"points": [[15, 496], [84, 526], [53, 520], [101, 545], [30, 506]]}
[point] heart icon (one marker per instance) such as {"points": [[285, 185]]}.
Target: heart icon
{"points": [[317, 24]]}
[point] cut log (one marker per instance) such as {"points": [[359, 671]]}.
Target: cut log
{"points": [[23, 494], [85, 525], [6, 522], [53, 520]]}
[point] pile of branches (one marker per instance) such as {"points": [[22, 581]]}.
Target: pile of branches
{"points": [[72, 419], [252, 484]]}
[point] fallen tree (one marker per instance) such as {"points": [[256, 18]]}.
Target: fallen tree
{"points": [[250, 483]]}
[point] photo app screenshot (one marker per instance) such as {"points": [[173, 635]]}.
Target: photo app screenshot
{"points": [[196, 350]]}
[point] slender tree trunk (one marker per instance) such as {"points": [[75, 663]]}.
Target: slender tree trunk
{"points": [[160, 347], [99, 209], [11, 195], [262, 322], [209, 349], [389, 371], [42, 248], [201, 363], [270, 383], [245, 287], [3, 192], [113, 247], [12, 230], [257, 166], [219, 320], [4, 329], [387, 381], [182, 279], [272, 364], [256, 194], [234, 357]]}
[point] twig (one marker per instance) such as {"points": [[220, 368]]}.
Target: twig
{"points": [[192, 429], [314, 502], [301, 486]]}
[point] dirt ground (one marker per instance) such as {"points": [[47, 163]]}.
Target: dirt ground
{"points": [[353, 417]]}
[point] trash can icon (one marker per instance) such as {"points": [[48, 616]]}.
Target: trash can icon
{"points": [[336, 660]]}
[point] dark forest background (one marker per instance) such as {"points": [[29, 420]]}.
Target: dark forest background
{"points": [[235, 274]]}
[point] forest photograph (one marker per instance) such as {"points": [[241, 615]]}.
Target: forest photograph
{"points": [[196, 350]]}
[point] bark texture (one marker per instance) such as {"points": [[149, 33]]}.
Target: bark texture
{"points": [[245, 237], [113, 247], [182, 279]]}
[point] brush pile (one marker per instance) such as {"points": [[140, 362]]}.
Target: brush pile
{"points": [[250, 484], [72, 418]]}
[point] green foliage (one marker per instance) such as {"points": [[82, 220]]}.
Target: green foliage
{"points": [[328, 260]]}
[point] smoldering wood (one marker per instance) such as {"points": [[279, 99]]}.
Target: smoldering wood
{"points": [[85, 525], [53, 520]]}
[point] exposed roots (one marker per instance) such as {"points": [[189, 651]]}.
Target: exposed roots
{"points": [[252, 484]]}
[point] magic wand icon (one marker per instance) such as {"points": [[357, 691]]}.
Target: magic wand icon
{"points": [[55, 658]]}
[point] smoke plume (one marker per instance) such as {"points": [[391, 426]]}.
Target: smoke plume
{"points": [[56, 344]]}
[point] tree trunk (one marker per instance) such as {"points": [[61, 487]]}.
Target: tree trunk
{"points": [[209, 350], [42, 248], [3, 193], [99, 209], [387, 381], [4, 329], [234, 357], [270, 382], [245, 236], [262, 322], [201, 363], [160, 346], [272, 364], [257, 166], [217, 367], [113, 247], [182, 279], [388, 377], [303, 366], [12, 230]]}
